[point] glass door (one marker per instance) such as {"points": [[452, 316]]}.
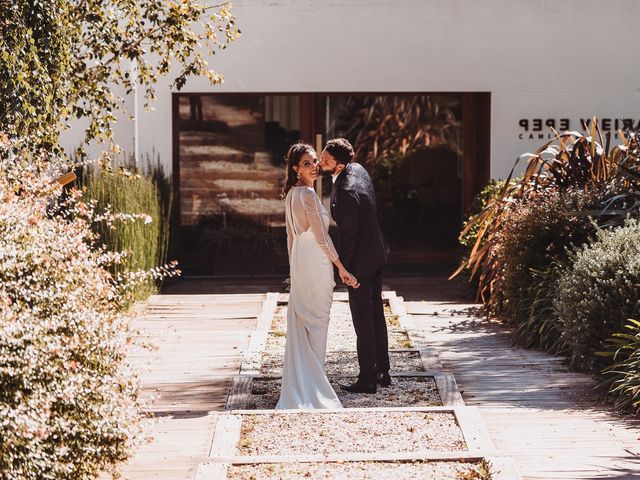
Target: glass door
{"points": [[230, 152], [412, 146]]}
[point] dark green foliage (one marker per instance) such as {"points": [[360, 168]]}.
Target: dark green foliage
{"points": [[622, 379], [542, 328], [61, 59], [35, 46], [129, 191], [538, 233]]}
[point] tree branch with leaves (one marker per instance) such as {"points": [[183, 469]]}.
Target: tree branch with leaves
{"points": [[64, 59]]}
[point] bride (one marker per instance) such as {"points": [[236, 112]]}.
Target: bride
{"points": [[311, 253]]}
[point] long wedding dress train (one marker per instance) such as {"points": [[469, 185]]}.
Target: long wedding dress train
{"points": [[304, 382]]}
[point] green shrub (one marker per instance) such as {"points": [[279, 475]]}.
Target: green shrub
{"points": [[622, 379], [537, 233], [126, 192], [570, 161], [598, 292], [68, 400]]}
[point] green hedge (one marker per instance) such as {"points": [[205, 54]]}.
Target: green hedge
{"points": [[131, 191]]}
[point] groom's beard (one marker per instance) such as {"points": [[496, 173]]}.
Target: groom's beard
{"points": [[331, 171]]}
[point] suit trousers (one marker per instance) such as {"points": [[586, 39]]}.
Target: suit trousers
{"points": [[367, 313]]}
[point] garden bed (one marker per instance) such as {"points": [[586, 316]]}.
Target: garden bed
{"points": [[339, 340], [355, 431], [340, 317], [403, 392], [414, 470], [345, 363]]}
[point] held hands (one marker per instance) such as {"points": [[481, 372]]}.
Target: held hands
{"points": [[348, 279]]}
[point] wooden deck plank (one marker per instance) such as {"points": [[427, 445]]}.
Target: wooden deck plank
{"points": [[536, 411], [197, 350]]}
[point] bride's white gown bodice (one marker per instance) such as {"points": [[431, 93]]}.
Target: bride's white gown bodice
{"points": [[311, 252]]}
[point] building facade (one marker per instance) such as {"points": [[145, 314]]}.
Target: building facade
{"points": [[478, 84]]}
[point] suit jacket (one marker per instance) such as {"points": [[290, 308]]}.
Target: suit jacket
{"points": [[362, 248]]}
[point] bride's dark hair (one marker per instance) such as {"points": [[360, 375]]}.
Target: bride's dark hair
{"points": [[295, 153]]}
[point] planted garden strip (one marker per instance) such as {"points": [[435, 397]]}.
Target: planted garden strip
{"points": [[420, 390], [283, 298], [455, 425], [275, 341], [467, 418], [345, 363], [356, 430], [330, 470], [438, 466]]}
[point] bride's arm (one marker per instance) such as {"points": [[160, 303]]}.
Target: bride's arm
{"points": [[311, 204], [289, 237]]}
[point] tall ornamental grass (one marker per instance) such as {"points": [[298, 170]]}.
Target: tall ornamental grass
{"points": [[572, 160], [125, 191]]}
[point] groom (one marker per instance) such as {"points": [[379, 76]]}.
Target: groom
{"points": [[363, 252]]}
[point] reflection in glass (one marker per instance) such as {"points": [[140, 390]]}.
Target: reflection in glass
{"points": [[412, 147], [231, 149]]}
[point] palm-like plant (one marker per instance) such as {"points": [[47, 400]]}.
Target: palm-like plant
{"points": [[569, 160], [399, 124], [622, 379]]}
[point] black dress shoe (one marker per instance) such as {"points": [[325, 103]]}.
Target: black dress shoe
{"points": [[360, 387], [384, 379]]}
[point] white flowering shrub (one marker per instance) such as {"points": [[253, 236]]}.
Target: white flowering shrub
{"points": [[598, 293], [68, 399]]}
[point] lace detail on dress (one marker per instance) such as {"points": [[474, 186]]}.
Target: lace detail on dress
{"points": [[312, 208], [307, 215]]}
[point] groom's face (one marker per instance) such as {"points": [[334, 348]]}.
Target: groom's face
{"points": [[327, 163]]}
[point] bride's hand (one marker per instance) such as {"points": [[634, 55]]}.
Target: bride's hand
{"points": [[348, 279]]}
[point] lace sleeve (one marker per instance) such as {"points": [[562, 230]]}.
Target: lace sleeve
{"points": [[312, 207], [289, 237]]}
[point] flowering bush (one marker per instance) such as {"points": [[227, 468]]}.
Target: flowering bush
{"points": [[68, 399], [599, 292]]}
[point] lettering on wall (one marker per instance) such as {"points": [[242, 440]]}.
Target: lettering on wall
{"points": [[540, 128]]}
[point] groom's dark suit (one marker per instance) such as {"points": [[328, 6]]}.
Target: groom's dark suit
{"points": [[363, 252]]}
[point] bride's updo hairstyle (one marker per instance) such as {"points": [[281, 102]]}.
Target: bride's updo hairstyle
{"points": [[295, 153]]}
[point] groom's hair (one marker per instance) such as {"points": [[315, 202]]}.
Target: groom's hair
{"points": [[340, 149]]}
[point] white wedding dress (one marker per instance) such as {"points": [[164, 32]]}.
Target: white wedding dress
{"points": [[311, 252]]}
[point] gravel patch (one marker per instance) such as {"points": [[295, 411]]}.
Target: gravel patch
{"points": [[403, 392], [349, 432], [346, 363], [338, 340], [418, 470], [340, 317]]}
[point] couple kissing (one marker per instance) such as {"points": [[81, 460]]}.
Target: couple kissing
{"points": [[359, 259]]}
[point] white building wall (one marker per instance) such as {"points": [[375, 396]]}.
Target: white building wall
{"points": [[540, 59]]}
